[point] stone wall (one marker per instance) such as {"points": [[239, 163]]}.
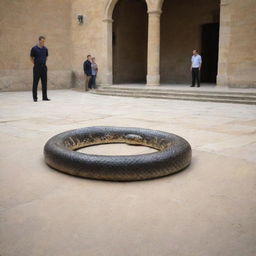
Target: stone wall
{"points": [[87, 38], [21, 22]]}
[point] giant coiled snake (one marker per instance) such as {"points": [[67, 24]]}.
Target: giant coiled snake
{"points": [[173, 155]]}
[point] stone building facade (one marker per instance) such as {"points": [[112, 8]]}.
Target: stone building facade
{"points": [[134, 41]]}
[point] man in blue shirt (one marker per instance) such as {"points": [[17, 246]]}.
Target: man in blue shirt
{"points": [[38, 56], [196, 63], [88, 72]]}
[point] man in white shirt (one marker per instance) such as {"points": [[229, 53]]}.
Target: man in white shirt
{"points": [[196, 63]]}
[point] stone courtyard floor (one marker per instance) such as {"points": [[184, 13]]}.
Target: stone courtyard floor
{"points": [[209, 209]]}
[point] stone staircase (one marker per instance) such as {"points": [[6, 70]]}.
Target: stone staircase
{"points": [[224, 95]]}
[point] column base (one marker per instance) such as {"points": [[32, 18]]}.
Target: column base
{"points": [[222, 80], [153, 80]]}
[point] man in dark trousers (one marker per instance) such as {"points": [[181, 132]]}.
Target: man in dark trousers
{"points": [[88, 72], [196, 63], [38, 56]]}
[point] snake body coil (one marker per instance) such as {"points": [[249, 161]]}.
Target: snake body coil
{"points": [[173, 155]]}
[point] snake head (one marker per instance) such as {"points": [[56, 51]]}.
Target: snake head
{"points": [[133, 139]]}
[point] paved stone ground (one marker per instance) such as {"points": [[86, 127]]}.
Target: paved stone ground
{"points": [[207, 210]]}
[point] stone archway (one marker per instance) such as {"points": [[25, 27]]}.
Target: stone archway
{"points": [[108, 41], [153, 54]]}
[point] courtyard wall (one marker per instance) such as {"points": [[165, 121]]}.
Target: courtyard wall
{"points": [[21, 22]]}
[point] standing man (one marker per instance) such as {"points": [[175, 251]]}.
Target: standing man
{"points": [[196, 63], [38, 56], [88, 72]]}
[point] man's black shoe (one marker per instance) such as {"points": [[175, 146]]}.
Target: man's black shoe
{"points": [[192, 86], [198, 86], [46, 99], [35, 100]]}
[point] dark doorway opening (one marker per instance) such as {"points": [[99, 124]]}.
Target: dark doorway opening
{"points": [[209, 52], [130, 32]]}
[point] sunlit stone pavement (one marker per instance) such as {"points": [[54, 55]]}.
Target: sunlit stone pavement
{"points": [[209, 209]]}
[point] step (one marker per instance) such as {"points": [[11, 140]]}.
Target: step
{"points": [[205, 99], [184, 89], [181, 91], [191, 94]]}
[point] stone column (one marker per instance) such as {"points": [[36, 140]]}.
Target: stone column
{"points": [[224, 43], [107, 78], [153, 75]]}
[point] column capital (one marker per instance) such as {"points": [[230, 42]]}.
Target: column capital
{"points": [[108, 20], [155, 12]]}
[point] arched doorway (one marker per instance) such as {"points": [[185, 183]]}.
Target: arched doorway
{"points": [[182, 30], [129, 41]]}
